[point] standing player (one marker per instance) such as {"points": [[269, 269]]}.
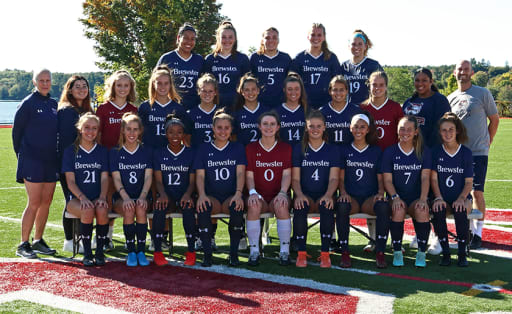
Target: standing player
{"points": [[361, 187], [474, 105], [339, 112], [185, 64], [34, 138], [316, 65], [85, 165], [74, 101], [452, 181], [131, 168], [270, 66], [226, 63], [358, 69], [220, 176], [406, 171], [315, 173], [247, 110], [269, 163], [175, 181], [202, 114], [292, 111]]}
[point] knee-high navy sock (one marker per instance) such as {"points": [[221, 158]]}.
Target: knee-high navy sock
{"points": [[300, 226], [214, 230], [101, 238], [67, 223], [326, 226], [129, 234], [86, 232], [236, 220], [142, 230], [204, 221], [461, 225], [158, 228], [343, 223], [382, 211], [441, 229], [397, 233], [422, 233], [189, 225]]}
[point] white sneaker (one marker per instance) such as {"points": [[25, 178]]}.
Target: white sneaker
{"points": [[414, 243], [435, 246], [243, 244], [68, 246]]}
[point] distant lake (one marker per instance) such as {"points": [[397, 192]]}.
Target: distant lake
{"points": [[7, 110]]}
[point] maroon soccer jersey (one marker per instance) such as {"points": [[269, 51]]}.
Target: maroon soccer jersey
{"points": [[268, 167], [386, 121], [110, 122]]}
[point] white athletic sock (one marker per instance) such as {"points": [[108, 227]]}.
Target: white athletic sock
{"points": [[284, 230], [110, 232], [253, 233], [472, 225], [479, 227]]}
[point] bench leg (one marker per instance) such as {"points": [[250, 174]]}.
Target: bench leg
{"points": [[371, 224], [171, 238]]}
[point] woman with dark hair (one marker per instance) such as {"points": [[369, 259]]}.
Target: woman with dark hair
{"points": [[292, 112]]}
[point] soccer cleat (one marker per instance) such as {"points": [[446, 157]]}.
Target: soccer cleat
{"points": [[131, 259], [99, 260], [190, 258], [370, 247], [254, 259], [345, 261], [88, 261], [462, 261], [446, 260], [243, 244], [325, 260], [420, 260], [435, 247], [207, 260], [381, 260], [233, 261], [141, 259], [68, 246], [41, 247], [476, 243], [284, 259], [302, 259], [414, 243], [24, 250], [159, 259], [398, 259]]}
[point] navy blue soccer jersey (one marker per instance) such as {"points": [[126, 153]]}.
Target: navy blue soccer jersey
{"points": [[175, 168], [357, 75], [202, 126], [315, 167], [337, 123], [271, 72], [406, 170], [185, 73], [292, 124], [227, 71], [220, 167], [428, 111], [316, 74], [452, 171], [131, 167], [361, 169], [87, 167], [246, 124], [153, 119]]}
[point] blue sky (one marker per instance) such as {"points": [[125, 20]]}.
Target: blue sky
{"points": [[403, 32]]}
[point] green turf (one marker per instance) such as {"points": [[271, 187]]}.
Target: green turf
{"points": [[25, 307], [412, 296]]}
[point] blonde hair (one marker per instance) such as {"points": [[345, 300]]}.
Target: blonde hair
{"points": [[162, 70], [208, 78], [110, 93], [80, 123], [225, 25], [125, 120], [261, 50], [417, 141], [325, 47]]}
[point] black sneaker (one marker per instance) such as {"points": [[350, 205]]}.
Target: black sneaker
{"points": [[446, 260], [233, 261], [254, 259], [42, 248], [24, 250], [462, 261], [476, 243], [100, 260], [207, 260], [284, 259], [88, 261], [334, 246]]}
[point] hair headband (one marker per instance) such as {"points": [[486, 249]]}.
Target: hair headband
{"points": [[359, 35], [172, 122], [358, 117]]}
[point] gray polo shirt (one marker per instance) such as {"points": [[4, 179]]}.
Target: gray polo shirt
{"points": [[473, 106]]}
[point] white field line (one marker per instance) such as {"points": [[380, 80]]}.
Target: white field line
{"points": [[48, 299], [498, 180], [497, 222], [12, 188], [499, 209]]}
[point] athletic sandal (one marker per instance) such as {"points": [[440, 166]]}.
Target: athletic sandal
{"points": [[190, 258], [420, 260], [141, 258], [345, 261], [381, 260], [131, 259], [446, 260], [302, 259], [159, 259], [398, 258], [325, 260]]}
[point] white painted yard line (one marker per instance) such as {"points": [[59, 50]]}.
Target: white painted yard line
{"points": [[496, 222], [498, 180], [59, 302], [499, 209], [12, 188]]}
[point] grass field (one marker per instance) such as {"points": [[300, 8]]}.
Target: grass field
{"points": [[412, 296]]}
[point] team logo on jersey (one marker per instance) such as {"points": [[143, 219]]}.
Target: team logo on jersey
{"points": [[397, 157], [165, 158], [39, 110], [210, 154], [350, 155], [329, 117], [122, 157], [413, 109], [258, 154], [441, 159], [244, 117]]}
